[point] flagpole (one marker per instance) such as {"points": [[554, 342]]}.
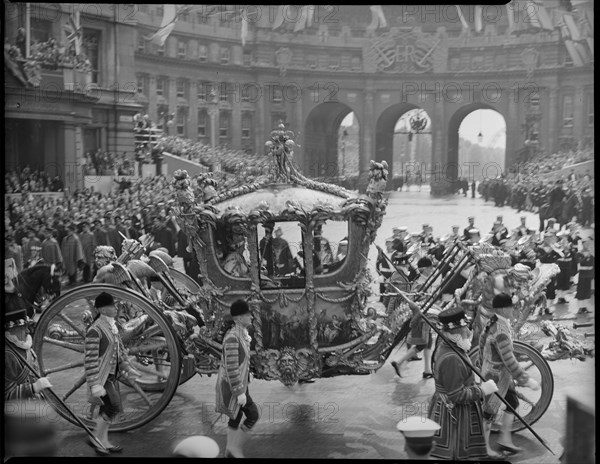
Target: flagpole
{"points": [[27, 29]]}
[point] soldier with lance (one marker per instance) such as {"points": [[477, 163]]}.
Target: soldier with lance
{"points": [[456, 402], [384, 267], [585, 268], [547, 254], [19, 382]]}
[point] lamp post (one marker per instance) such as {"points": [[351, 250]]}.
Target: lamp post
{"points": [[213, 111], [344, 135]]}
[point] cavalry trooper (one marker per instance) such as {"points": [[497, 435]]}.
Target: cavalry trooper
{"points": [[399, 239], [467, 230]]}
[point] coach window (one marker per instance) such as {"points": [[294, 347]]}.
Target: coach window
{"points": [[330, 246], [281, 254]]}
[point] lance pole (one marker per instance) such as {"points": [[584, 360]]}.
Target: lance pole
{"points": [[476, 371], [95, 440]]}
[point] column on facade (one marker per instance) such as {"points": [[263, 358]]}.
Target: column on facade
{"points": [[152, 107], [366, 138], [236, 119], [172, 81], [514, 138], [192, 121], [439, 142], [553, 122], [298, 127], [259, 122], [73, 178], [579, 108]]}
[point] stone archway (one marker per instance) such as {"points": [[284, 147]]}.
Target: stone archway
{"points": [[384, 132], [452, 170], [321, 139]]}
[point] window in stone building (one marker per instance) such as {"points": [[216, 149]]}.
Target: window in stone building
{"points": [[160, 86], [568, 111], [201, 91], [201, 18], [181, 88], [202, 123], [141, 42], [247, 59], [181, 122], [160, 51], [277, 95], [41, 30], [590, 110], [181, 49], [334, 62], [224, 117], [225, 55], [224, 92], [185, 17], [246, 125], [202, 53], [91, 47], [278, 118], [356, 63], [144, 8], [140, 84], [311, 61], [160, 10]]}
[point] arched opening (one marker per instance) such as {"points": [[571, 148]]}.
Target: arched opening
{"points": [[403, 139], [476, 143], [331, 141]]}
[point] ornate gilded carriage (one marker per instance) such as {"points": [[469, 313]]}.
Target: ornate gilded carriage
{"points": [[310, 320]]}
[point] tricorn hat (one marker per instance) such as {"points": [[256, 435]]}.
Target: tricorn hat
{"points": [[453, 318], [239, 308], [104, 299]]}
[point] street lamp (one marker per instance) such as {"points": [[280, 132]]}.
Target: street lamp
{"points": [[213, 111], [344, 135]]}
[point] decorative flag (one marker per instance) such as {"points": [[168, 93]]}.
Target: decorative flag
{"points": [[301, 21], [279, 17], [244, 32], [574, 53], [166, 26], [510, 18], [377, 18], [73, 31], [310, 14], [463, 21], [478, 18], [572, 27], [539, 17]]}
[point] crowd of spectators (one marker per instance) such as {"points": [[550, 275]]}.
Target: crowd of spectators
{"points": [[107, 163], [28, 180], [143, 208], [528, 186]]}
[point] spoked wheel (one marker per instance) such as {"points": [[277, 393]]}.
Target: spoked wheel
{"points": [[148, 338], [532, 404]]}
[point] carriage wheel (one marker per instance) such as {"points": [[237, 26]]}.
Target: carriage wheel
{"points": [[148, 338], [532, 404]]}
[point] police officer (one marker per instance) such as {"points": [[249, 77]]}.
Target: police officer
{"points": [[418, 436]]}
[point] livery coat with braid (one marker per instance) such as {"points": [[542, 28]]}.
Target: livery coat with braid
{"points": [[18, 379], [104, 355], [234, 372], [498, 361], [456, 406]]}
